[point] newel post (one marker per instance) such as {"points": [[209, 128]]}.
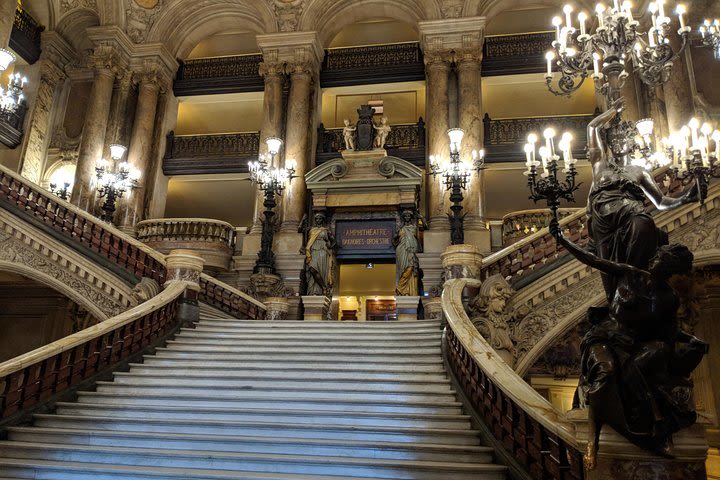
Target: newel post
{"points": [[186, 266]]}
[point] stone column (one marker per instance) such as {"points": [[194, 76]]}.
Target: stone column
{"points": [[679, 103], [471, 120], [141, 145], [273, 123], [186, 266], [95, 126], [118, 112], [437, 69], [37, 134], [7, 19], [297, 143]]}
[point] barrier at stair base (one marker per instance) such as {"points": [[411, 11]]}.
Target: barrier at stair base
{"points": [[407, 307], [277, 308], [316, 307]]}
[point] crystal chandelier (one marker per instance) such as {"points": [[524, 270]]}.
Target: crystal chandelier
{"points": [[12, 97], [710, 32], [615, 40], [114, 179]]}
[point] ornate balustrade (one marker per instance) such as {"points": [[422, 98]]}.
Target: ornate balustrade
{"points": [[25, 36], [394, 62], [514, 54], [11, 126], [506, 137], [205, 154], [35, 377], [231, 74], [214, 240], [541, 440], [517, 225], [109, 247], [406, 141]]}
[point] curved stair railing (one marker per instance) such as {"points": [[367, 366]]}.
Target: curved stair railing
{"points": [[36, 377], [525, 425], [119, 254]]}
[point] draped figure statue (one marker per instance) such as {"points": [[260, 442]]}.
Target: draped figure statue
{"points": [[320, 258], [407, 247]]}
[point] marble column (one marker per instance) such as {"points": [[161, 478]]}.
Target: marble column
{"points": [[437, 69], [7, 19], [95, 127], [118, 112], [273, 116], [37, 132], [297, 143], [679, 103], [471, 120], [140, 148]]}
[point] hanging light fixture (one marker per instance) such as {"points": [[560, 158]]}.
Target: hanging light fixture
{"points": [[710, 33], [12, 97]]}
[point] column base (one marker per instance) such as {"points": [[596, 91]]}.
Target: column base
{"points": [[407, 307], [316, 307], [462, 261]]}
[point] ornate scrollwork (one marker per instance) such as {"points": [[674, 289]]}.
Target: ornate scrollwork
{"points": [[236, 144], [373, 56], [222, 67], [386, 167], [339, 170]]}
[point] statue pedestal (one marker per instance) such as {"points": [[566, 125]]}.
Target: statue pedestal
{"points": [[277, 308], [316, 307], [461, 261], [619, 459], [407, 307]]}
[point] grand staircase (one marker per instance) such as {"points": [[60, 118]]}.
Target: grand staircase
{"points": [[235, 399]]}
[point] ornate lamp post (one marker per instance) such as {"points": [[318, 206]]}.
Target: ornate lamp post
{"points": [[113, 180], [710, 32], [546, 185], [63, 192], [271, 181], [456, 173]]}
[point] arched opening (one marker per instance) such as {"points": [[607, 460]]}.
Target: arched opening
{"points": [[34, 314]]}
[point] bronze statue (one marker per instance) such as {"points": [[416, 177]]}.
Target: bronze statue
{"points": [[320, 258], [635, 360], [620, 230], [407, 247]]}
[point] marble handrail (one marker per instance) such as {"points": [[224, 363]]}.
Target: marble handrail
{"points": [[164, 230], [32, 378], [541, 438]]}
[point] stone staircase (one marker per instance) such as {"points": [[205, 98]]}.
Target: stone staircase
{"points": [[235, 399]]}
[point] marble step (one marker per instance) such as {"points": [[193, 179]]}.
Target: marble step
{"points": [[253, 444], [394, 325], [448, 407], [191, 374], [304, 417], [445, 436], [370, 333], [235, 355], [293, 366], [350, 385], [322, 349], [332, 344]]}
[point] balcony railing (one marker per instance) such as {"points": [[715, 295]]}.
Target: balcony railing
{"points": [[199, 154], [232, 74], [11, 127], [406, 141], [505, 138], [395, 62], [518, 225], [514, 54], [25, 36]]}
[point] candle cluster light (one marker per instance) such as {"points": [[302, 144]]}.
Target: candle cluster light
{"points": [[114, 178], [617, 38], [12, 97], [546, 185], [710, 33]]}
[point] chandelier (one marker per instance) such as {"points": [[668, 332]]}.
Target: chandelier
{"points": [[12, 97], [576, 51], [114, 179], [710, 33], [6, 58]]}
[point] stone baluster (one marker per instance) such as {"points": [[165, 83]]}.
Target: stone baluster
{"points": [[104, 62], [141, 143], [55, 54]]}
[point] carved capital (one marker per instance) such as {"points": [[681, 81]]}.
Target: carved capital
{"points": [[51, 73], [287, 13], [438, 59], [104, 60], [470, 58], [301, 68], [271, 70]]}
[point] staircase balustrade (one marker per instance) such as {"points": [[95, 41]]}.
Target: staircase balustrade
{"points": [[541, 439], [85, 232], [35, 377], [517, 225]]}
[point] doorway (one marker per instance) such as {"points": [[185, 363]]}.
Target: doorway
{"points": [[367, 291]]}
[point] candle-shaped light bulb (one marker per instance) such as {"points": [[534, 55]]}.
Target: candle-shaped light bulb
{"points": [[596, 63], [549, 56], [681, 10], [557, 23], [627, 8], [661, 10], [549, 134], [703, 31], [616, 4], [600, 10], [567, 10], [528, 154], [716, 138], [582, 18], [694, 125], [532, 138]]}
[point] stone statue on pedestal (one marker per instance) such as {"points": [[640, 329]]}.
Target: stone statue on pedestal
{"points": [[382, 131], [320, 258], [407, 247], [349, 135]]}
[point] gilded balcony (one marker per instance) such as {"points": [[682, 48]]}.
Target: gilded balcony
{"points": [[214, 240]]}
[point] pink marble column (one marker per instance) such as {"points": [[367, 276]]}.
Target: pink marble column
{"points": [[437, 69], [141, 146], [297, 143], [95, 127]]}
